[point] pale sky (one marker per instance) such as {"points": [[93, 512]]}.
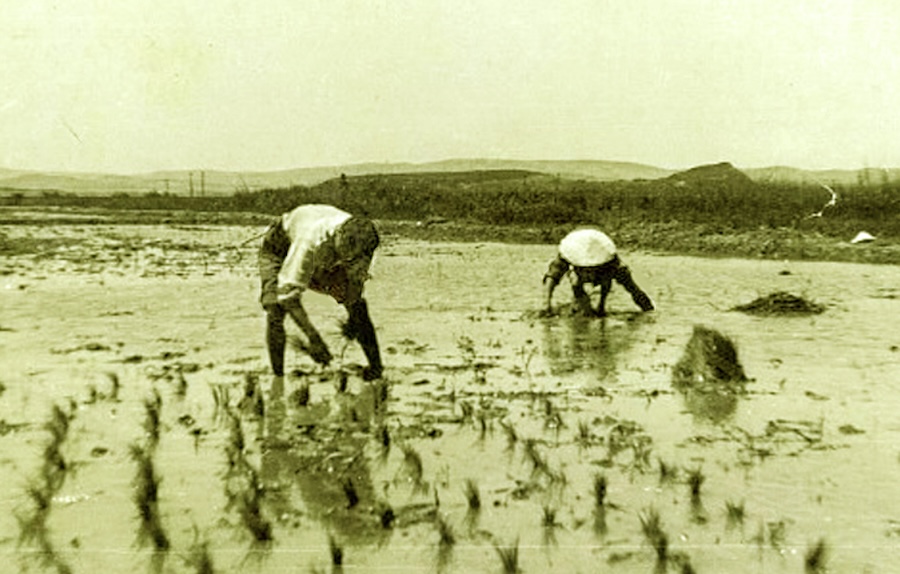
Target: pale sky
{"points": [[132, 86]]}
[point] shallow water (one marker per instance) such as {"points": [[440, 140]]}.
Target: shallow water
{"points": [[810, 452]]}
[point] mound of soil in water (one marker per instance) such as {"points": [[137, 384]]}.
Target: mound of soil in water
{"points": [[780, 303], [710, 358]]}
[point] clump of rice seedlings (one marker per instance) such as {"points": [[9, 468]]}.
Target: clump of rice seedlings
{"points": [[667, 473], [115, 385], [600, 485], [735, 513], [651, 527], [350, 492], [387, 516], [511, 436], [816, 558], [473, 496], [780, 303], [710, 358], [509, 557], [583, 437], [146, 499]]}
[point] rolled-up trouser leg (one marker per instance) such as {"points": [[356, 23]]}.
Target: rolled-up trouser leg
{"points": [[641, 299], [360, 327], [276, 337]]}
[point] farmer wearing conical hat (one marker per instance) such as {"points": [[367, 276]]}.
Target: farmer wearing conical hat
{"points": [[589, 256], [326, 250]]}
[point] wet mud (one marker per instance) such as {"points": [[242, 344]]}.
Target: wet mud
{"points": [[140, 429]]}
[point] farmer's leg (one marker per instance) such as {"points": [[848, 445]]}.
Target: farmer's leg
{"points": [[276, 338], [360, 327], [605, 287], [641, 299], [582, 300]]}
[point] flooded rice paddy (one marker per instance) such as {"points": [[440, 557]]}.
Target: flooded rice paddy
{"points": [[140, 430]]}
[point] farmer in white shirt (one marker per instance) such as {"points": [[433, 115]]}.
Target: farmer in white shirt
{"points": [[326, 250], [589, 256]]}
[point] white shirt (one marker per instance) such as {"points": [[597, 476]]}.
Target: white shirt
{"points": [[309, 227]]}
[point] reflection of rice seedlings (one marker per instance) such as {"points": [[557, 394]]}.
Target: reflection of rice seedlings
{"points": [[816, 558], [509, 557], [152, 408], [115, 385], [472, 495], [777, 534], [198, 556], [735, 513], [651, 527], [181, 386], [412, 465], [146, 498], [448, 538], [350, 492], [600, 485], [337, 553], [251, 515], [696, 479], [380, 394], [33, 526], [300, 397]]}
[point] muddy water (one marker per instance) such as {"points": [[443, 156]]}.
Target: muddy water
{"points": [[526, 411]]}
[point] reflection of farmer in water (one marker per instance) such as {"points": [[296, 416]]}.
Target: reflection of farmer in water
{"points": [[324, 249], [589, 256]]}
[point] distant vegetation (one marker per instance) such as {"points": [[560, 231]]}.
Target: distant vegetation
{"points": [[716, 200]]}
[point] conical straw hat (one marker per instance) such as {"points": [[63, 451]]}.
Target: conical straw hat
{"points": [[587, 248]]}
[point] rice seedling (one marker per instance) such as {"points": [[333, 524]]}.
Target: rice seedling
{"points": [[482, 424], [509, 557], [472, 495], [538, 463], [667, 473], [651, 527], [600, 485], [467, 411], [448, 537], [387, 516], [511, 436], [695, 479], [181, 386], [342, 382], [777, 534], [199, 558], [816, 558], [734, 513], [548, 517]]}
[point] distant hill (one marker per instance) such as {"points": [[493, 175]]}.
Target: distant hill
{"points": [[218, 183]]}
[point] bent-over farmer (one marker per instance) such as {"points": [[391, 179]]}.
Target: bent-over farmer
{"points": [[326, 250], [589, 255]]}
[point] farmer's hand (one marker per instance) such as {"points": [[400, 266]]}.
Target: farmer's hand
{"points": [[318, 350], [371, 373]]}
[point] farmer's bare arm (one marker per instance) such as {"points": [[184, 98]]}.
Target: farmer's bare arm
{"points": [[555, 272], [317, 347]]}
